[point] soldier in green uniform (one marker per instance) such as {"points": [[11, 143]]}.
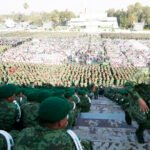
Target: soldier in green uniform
{"points": [[9, 113], [69, 95], [138, 110], [20, 97], [50, 133], [85, 101], [134, 105], [30, 109]]}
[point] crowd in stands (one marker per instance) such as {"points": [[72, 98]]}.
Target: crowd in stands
{"points": [[86, 50], [13, 41]]}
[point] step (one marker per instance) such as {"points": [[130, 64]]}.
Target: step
{"points": [[102, 145], [112, 116], [109, 134], [87, 122], [105, 108], [103, 101]]}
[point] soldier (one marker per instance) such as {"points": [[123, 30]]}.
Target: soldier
{"points": [[10, 112], [101, 91], [20, 97], [51, 132], [69, 95], [85, 101], [95, 91], [137, 110], [30, 109], [134, 105]]}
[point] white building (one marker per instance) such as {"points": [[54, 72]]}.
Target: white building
{"points": [[9, 23], [47, 25], [138, 26], [93, 22]]}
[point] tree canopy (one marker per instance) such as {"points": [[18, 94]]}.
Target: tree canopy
{"points": [[56, 17], [133, 13]]}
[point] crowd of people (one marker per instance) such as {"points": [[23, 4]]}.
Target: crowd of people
{"points": [[65, 75], [46, 83], [87, 50], [13, 41], [41, 118]]}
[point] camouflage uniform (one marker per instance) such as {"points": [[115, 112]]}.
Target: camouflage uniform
{"points": [[74, 112], [8, 114], [21, 100], [85, 101], [129, 98], [3, 145], [142, 118], [48, 135], [39, 138], [30, 114]]}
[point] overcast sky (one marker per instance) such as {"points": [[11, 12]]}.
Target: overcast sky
{"points": [[9, 6]]}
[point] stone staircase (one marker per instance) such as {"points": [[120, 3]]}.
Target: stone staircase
{"points": [[105, 126]]}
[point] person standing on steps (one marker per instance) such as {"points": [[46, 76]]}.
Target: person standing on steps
{"points": [[138, 110]]}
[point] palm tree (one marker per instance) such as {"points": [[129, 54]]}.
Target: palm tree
{"points": [[25, 6]]}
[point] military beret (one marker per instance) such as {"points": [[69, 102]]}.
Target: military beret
{"points": [[81, 92], [54, 109], [7, 91], [129, 84], [69, 94], [59, 92], [33, 96], [43, 95], [122, 91], [18, 90]]}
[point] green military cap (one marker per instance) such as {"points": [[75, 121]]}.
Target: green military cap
{"points": [[81, 92], [122, 91], [33, 96], [7, 91], [18, 90], [129, 84], [59, 92], [54, 109], [43, 95], [69, 94]]}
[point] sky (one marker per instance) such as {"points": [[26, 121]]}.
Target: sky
{"points": [[77, 6]]}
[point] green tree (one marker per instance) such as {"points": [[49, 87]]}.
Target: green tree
{"points": [[55, 17], [46, 17], [25, 5], [132, 18], [35, 19], [65, 16], [122, 18], [111, 12], [19, 17], [145, 16], [134, 13]]}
